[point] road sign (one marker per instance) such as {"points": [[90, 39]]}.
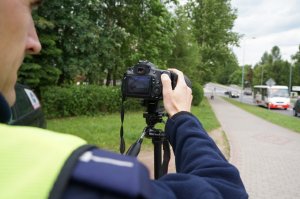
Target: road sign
{"points": [[270, 82]]}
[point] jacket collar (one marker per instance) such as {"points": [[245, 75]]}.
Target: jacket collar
{"points": [[5, 112]]}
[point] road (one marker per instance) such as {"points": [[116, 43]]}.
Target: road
{"points": [[219, 90], [266, 155]]}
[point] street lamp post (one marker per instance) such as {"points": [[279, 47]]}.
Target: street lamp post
{"points": [[290, 82], [243, 63], [243, 66], [290, 78], [262, 75]]}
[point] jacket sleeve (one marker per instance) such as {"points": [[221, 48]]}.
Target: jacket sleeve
{"points": [[202, 170]]}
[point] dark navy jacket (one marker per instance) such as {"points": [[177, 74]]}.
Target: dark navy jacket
{"points": [[202, 170]]}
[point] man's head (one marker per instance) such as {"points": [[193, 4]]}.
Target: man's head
{"points": [[17, 38]]}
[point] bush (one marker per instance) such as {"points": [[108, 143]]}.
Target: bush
{"points": [[198, 94], [93, 99], [83, 100]]}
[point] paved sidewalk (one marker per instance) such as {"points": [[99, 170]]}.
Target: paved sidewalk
{"points": [[267, 156]]}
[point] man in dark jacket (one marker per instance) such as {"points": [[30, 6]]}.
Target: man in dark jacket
{"points": [[37, 163]]}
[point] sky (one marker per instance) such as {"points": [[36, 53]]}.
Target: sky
{"points": [[265, 24]]}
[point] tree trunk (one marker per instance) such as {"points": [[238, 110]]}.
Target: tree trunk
{"points": [[108, 78]]}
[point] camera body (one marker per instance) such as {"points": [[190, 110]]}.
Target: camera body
{"points": [[143, 80]]}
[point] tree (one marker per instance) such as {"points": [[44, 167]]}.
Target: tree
{"points": [[185, 56], [260, 71], [249, 76], [213, 21], [225, 69], [98, 39], [150, 29], [275, 53], [78, 26], [278, 69], [296, 68], [236, 77], [272, 66]]}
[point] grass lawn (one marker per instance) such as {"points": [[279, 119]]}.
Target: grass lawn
{"points": [[103, 130], [285, 121]]}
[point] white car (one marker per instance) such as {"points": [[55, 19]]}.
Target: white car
{"points": [[234, 94]]}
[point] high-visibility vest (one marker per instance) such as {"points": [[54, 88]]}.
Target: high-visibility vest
{"points": [[31, 160]]}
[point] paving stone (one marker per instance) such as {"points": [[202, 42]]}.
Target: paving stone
{"points": [[267, 155]]}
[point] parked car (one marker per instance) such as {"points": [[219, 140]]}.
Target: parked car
{"points": [[234, 94], [227, 92], [27, 109], [296, 108], [247, 91]]}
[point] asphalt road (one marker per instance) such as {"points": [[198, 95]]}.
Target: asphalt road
{"points": [[219, 90]]}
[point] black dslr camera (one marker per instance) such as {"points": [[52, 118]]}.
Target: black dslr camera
{"points": [[143, 81]]}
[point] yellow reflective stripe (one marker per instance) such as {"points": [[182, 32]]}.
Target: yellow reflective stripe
{"points": [[31, 159]]}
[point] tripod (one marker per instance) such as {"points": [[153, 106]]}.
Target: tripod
{"points": [[153, 116]]}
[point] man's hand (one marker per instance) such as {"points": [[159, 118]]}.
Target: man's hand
{"points": [[179, 99]]}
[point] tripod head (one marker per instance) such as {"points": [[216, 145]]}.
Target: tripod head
{"points": [[153, 115]]}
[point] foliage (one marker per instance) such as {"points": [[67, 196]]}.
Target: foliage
{"points": [[198, 94], [272, 66], [96, 41], [226, 69], [78, 35], [248, 76], [296, 68], [99, 39], [88, 100], [29, 74], [236, 76], [185, 56], [213, 21], [83, 100]]}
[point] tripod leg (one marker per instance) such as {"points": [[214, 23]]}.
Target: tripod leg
{"points": [[157, 142], [135, 148], [166, 158]]}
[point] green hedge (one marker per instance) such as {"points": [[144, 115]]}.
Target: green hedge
{"points": [[83, 100], [92, 99], [198, 94]]}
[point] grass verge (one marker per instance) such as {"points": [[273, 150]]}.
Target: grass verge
{"points": [[103, 130], [285, 121]]}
